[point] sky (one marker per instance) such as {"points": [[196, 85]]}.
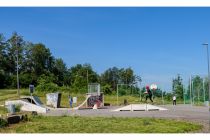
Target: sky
{"points": [[158, 43]]}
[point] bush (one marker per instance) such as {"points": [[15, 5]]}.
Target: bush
{"points": [[122, 92], [45, 84], [3, 123], [65, 89], [47, 87], [26, 79], [107, 89]]}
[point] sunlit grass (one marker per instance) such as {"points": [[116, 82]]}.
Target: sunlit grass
{"points": [[76, 124]]}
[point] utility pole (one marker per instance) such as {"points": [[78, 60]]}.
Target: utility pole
{"points": [[140, 91], [117, 94], [204, 94], [190, 90], [183, 93], [207, 51], [18, 86], [193, 93], [87, 81]]}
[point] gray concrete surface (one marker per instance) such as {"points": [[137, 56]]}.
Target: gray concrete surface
{"points": [[190, 113]]}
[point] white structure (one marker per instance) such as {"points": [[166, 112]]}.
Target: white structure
{"points": [[53, 99], [94, 88], [29, 103], [74, 100], [140, 107]]}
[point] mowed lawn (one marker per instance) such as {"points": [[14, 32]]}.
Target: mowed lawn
{"points": [[78, 124]]}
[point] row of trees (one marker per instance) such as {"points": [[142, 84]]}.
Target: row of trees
{"points": [[39, 67], [197, 88]]}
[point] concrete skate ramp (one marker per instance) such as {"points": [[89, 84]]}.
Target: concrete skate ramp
{"points": [[29, 103], [140, 107], [82, 104]]}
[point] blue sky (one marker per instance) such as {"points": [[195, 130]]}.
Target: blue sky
{"points": [[157, 43]]}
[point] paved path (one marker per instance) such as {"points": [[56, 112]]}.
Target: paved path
{"points": [[180, 112]]}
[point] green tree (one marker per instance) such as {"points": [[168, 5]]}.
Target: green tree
{"points": [[16, 48], [197, 87], [81, 75], [41, 58], [111, 77], [3, 62], [177, 86], [60, 71]]}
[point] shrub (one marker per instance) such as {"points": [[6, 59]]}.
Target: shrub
{"points": [[3, 123], [47, 87], [65, 89], [122, 92], [107, 89], [45, 84]]}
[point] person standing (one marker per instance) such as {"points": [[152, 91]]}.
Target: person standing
{"points": [[149, 94], [70, 101], [174, 100]]}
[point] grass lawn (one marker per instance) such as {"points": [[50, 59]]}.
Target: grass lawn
{"points": [[77, 124]]}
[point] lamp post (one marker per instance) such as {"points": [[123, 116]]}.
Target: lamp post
{"points": [[204, 94], [183, 93], [18, 85], [140, 91], [87, 80], [190, 82], [207, 51]]}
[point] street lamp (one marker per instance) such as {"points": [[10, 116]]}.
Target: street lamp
{"points": [[207, 50], [18, 85]]}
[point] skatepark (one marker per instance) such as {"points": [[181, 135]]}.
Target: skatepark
{"points": [[93, 106]]}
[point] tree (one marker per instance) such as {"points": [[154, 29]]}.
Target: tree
{"points": [[60, 71], [111, 77], [127, 76], [3, 62], [9, 50], [81, 75], [197, 87], [177, 86], [41, 58], [37, 66], [114, 76], [16, 48]]}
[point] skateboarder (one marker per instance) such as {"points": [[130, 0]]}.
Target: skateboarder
{"points": [[148, 94]]}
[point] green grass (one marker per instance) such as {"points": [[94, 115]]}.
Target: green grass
{"points": [[76, 124], [3, 110], [7, 94]]}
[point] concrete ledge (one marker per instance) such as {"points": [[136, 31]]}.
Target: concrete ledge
{"points": [[140, 107]]}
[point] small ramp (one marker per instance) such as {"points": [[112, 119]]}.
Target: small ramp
{"points": [[140, 107], [29, 103], [82, 104]]}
